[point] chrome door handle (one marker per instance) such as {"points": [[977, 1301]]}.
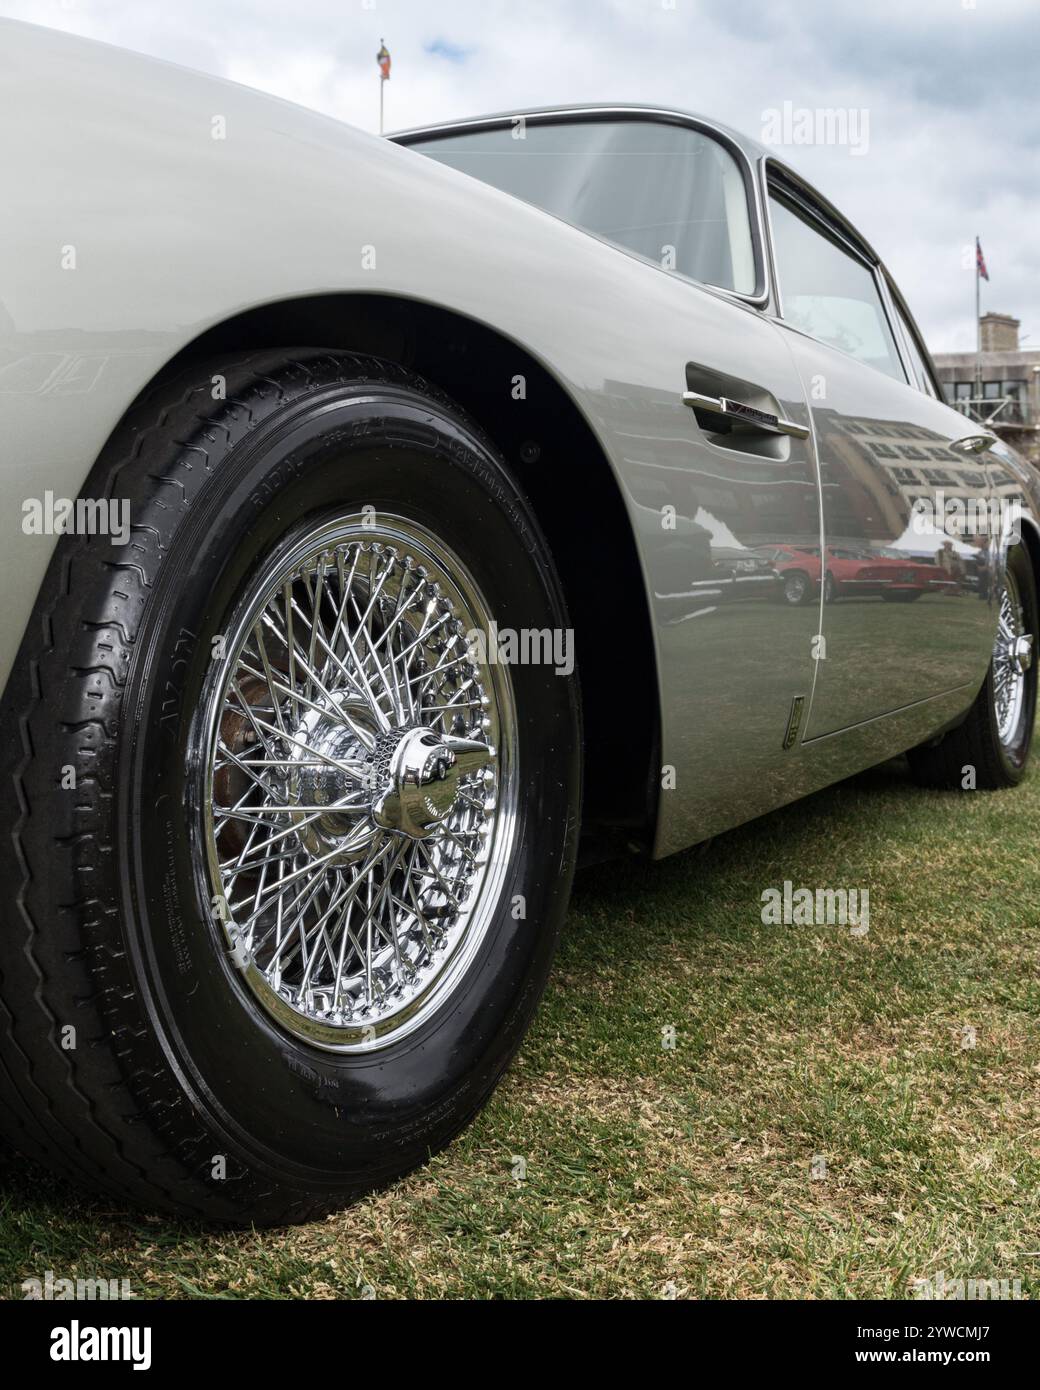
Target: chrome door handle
{"points": [[974, 443], [747, 414]]}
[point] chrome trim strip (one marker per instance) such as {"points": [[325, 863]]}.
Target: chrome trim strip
{"points": [[912, 333], [901, 709], [778, 303], [823, 209], [895, 328], [747, 414]]}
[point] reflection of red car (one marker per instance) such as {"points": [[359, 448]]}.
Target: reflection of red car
{"points": [[897, 578], [852, 570], [798, 567]]}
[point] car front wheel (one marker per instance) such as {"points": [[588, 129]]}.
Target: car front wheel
{"points": [[291, 840]]}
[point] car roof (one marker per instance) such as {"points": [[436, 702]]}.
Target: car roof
{"points": [[584, 110]]}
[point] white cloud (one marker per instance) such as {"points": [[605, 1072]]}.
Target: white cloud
{"points": [[950, 91]]}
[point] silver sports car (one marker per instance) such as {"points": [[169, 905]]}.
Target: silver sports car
{"points": [[382, 521]]}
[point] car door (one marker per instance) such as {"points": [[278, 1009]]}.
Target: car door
{"points": [[906, 615], [707, 417]]}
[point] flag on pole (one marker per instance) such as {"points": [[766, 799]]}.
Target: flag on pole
{"points": [[980, 260], [383, 59]]}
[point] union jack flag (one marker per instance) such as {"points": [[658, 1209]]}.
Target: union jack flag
{"points": [[980, 261]]}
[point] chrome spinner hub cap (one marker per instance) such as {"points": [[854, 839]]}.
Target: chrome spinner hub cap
{"points": [[1020, 652], [359, 784], [422, 773]]}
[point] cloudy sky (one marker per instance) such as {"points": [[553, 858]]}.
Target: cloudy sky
{"points": [[950, 90]]}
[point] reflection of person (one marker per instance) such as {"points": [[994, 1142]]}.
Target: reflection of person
{"points": [[949, 560]]}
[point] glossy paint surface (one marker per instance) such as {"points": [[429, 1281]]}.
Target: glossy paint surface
{"points": [[908, 611], [174, 231]]}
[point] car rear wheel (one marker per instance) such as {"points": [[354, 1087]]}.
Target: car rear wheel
{"points": [[291, 845], [991, 748]]}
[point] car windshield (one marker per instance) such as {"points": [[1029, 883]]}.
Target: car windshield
{"points": [[667, 192]]}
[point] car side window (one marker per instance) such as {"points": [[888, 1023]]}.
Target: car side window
{"points": [[830, 293], [917, 361], [668, 193]]}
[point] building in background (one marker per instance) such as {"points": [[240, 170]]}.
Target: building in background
{"points": [[999, 387]]}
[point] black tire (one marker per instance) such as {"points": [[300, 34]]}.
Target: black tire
{"points": [[106, 927], [976, 744], [797, 589]]}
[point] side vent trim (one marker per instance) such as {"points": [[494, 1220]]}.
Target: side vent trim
{"points": [[794, 721]]}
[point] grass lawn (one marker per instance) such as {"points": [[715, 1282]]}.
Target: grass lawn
{"points": [[688, 1172]]}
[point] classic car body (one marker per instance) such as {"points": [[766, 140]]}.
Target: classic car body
{"points": [[677, 443], [207, 235]]}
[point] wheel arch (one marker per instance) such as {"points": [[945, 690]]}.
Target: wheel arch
{"points": [[797, 572], [562, 466]]}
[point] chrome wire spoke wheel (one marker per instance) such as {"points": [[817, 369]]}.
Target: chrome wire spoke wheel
{"points": [[359, 780], [1012, 658]]}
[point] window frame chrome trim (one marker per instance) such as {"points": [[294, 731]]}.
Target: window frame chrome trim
{"points": [[576, 115], [903, 316], [834, 226], [896, 329]]}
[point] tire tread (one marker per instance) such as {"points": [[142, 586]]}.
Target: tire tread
{"points": [[109, 1113]]}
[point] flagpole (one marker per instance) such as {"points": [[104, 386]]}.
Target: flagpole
{"points": [[978, 334], [383, 59]]}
